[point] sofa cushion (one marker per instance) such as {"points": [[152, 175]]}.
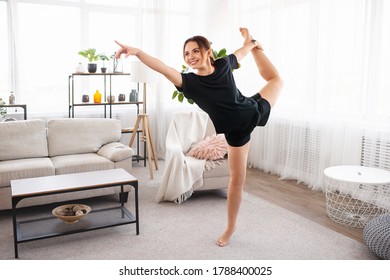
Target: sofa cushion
{"points": [[80, 163], [23, 139], [115, 151], [83, 135], [24, 168], [211, 148]]}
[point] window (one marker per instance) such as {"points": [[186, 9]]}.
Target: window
{"points": [[51, 33], [381, 98], [4, 87], [333, 55], [121, 3], [49, 39]]}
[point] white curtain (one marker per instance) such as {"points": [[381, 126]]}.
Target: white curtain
{"points": [[166, 25], [12, 48], [333, 57], [43, 55], [332, 54]]}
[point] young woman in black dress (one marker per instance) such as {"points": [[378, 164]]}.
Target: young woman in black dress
{"points": [[213, 89]]}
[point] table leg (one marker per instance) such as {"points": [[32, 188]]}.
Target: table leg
{"points": [[15, 228], [121, 197], [136, 207]]}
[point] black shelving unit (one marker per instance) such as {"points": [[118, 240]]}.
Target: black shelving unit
{"points": [[107, 91]]}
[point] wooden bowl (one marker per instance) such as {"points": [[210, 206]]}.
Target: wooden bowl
{"points": [[71, 213]]}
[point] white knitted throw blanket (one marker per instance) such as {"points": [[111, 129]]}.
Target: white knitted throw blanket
{"points": [[183, 174]]}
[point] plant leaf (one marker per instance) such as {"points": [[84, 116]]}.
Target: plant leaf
{"points": [[175, 93], [222, 53], [215, 54]]}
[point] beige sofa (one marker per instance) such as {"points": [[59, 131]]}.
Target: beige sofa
{"points": [[34, 148]]}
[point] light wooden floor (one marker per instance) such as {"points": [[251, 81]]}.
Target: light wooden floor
{"points": [[297, 198]]}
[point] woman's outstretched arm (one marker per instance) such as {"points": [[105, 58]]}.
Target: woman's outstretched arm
{"points": [[153, 63]]}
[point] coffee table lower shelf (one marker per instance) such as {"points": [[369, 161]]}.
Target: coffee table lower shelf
{"points": [[35, 229]]}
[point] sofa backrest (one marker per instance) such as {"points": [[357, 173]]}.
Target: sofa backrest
{"points": [[81, 135], [23, 139]]}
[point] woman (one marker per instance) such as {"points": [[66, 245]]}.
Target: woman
{"points": [[213, 89]]}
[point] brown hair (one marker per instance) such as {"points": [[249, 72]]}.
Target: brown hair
{"points": [[203, 44]]}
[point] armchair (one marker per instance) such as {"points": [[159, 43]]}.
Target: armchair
{"points": [[185, 174]]}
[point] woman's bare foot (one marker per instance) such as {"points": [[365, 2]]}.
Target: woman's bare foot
{"points": [[223, 240], [245, 34]]}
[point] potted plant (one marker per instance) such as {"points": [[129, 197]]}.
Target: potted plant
{"points": [[3, 111], [104, 58], [180, 95], [92, 56]]}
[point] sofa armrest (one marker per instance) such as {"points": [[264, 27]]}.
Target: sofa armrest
{"points": [[115, 151]]}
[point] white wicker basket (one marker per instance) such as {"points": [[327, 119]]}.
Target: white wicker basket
{"points": [[353, 203]]}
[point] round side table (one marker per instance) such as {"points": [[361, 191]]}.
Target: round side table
{"points": [[356, 194]]}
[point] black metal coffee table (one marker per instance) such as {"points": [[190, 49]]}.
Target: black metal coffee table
{"points": [[50, 226]]}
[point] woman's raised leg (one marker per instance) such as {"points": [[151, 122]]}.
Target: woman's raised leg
{"points": [[267, 70]]}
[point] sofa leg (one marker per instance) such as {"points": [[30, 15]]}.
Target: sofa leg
{"points": [[123, 197]]}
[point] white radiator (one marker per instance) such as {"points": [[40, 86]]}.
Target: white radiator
{"points": [[293, 149], [375, 152]]}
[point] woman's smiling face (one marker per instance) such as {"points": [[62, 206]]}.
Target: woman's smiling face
{"points": [[194, 56]]}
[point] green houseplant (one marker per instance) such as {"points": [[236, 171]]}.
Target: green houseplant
{"points": [[3, 111], [184, 69], [104, 58], [92, 56]]}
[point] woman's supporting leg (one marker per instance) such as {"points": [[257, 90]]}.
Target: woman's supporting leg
{"points": [[237, 157]]}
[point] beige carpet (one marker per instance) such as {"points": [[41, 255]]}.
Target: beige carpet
{"points": [[188, 231]]}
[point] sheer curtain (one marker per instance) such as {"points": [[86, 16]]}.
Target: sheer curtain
{"points": [[45, 37], [332, 56], [4, 57], [166, 24]]}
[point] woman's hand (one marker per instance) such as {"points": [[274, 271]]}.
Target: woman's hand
{"points": [[248, 39], [127, 50], [257, 44]]}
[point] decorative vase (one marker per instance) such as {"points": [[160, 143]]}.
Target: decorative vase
{"points": [[118, 66], [133, 95], [85, 98], [79, 68], [12, 99], [121, 97], [110, 98], [92, 67], [97, 97]]}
